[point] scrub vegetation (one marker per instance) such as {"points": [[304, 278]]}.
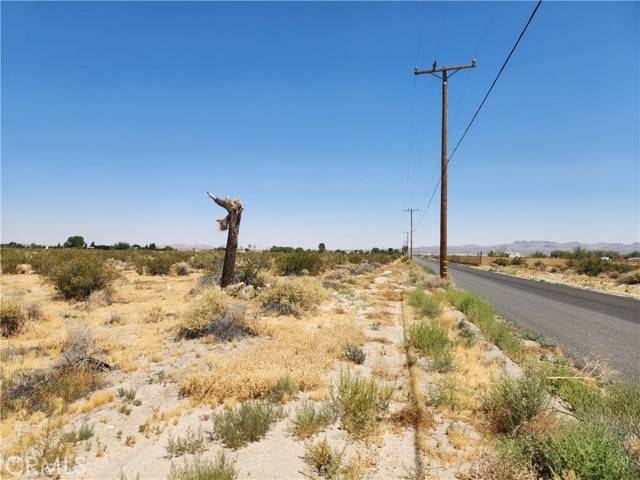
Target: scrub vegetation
{"points": [[329, 359]]}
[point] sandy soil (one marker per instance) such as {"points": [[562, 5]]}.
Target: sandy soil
{"points": [[130, 438], [601, 283]]}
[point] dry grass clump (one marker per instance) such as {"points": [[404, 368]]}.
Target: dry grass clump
{"points": [[292, 296], [199, 469], [191, 442], [324, 460], [284, 390], [24, 269], [214, 314], [12, 317], [492, 467], [45, 447], [101, 298], [311, 418], [630, 278], [75, 374], [303, 353]]}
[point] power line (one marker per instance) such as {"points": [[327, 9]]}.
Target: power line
{"points": [[475, 55], [445, 17], [475, 115], [413, 108]]}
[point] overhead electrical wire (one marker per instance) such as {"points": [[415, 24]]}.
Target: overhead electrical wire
{"points": [[413, 109], [475, 115]]}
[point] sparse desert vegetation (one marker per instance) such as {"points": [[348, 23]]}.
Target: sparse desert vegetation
{"points": [[314, 366]]}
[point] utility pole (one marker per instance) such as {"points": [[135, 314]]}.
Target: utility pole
{"points": [[411, 210], [444, 159]]}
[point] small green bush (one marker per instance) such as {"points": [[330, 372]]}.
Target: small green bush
{"points": [[156, 264], [513, 402], [518, 262], [561, 380], [297, 263], [592, 265], [445, 393], [426, 306], [354, 353], [84, 432], [247, 423], [467, 336], [285, 389], [359, 401], [12, 317], [80, 276], [481, 312], [191, 442], [503, 262], [199, 469], [323, 460], [431, 339], [311, 418], [591, 450]]}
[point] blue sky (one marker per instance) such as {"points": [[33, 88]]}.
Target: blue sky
{"points": [[118, 117]]}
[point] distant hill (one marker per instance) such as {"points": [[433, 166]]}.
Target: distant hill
{"points": [[526, 247]]}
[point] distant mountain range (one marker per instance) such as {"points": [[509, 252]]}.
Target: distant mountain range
{"points": [[525, 247]]}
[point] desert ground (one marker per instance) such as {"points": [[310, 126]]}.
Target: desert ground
{"points": [[361, 370], [605, 282]]}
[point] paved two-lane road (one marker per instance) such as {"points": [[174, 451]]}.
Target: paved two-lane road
{"points": [[584, 323]]}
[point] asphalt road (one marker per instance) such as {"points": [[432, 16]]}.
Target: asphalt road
{"points": [[582, 322]]}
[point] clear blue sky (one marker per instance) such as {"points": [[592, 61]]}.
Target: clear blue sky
{"points": [[118, 117]]}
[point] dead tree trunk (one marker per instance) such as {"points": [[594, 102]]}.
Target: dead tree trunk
{"points": [[232, 223]]}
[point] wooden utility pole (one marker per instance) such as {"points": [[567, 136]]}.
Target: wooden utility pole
{"points": [[444, 158], [232, 223], [411, 210]]}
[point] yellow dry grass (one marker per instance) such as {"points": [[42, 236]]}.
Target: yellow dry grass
{"points": [[303, 351], [98, 399]]}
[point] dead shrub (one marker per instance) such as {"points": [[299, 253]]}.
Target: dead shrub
{"points": [[492, 467], [215, 314], [34, 313], [630, 278], [155, 315], [102, 297], [180, 269], [12, 317], [24, 268], [292, 296]]}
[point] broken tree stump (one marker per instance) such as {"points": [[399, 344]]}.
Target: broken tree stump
{"points": [[231, 223]]}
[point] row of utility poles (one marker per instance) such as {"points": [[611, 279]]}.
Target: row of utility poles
{"points": [[444, 160]]}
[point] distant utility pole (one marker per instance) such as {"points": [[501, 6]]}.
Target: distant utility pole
{"points": [[444, 160], [411, 210]]}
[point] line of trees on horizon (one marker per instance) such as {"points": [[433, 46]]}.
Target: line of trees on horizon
{"points": [[78, 241]]}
